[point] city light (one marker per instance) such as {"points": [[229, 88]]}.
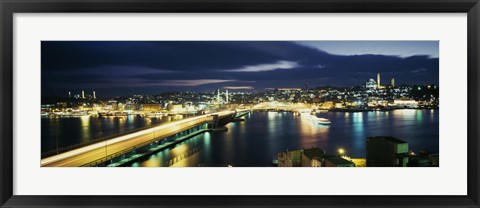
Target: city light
{"points": [[238, 102]]}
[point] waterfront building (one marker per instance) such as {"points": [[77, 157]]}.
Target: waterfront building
{"points": [[386, 151], [405, 103], [120, 106], [129, 106], [112, 105], [97, 107], [61, 104], [151, 107], [312, 157], [290, 158], [327, 105], [175, 108]]}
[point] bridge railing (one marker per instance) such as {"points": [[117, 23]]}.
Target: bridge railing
{"points": [[101, 139]]}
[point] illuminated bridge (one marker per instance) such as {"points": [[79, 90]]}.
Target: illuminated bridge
{"points": [[102, 152], [286, 106]]}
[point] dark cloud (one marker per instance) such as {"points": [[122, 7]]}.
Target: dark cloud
{"points": [[151, 67]]}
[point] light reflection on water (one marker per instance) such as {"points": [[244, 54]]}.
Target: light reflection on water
{"points": [[67, 131], [256, 141]]}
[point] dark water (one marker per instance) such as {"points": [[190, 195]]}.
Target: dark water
{"points": [[67, 131], [257, 140]]}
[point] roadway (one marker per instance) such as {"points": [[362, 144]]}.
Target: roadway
{"points": [[94, 152]]}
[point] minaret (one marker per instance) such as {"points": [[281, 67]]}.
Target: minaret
{"points": [[83, 94], [94, 96], [378, 80], [393, 82], [69, 94], [226, 97]]}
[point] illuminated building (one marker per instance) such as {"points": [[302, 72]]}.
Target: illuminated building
{"points": [[393, 82], [120, 106], [226, 96], [151, 107], [378, 80], [405, 103], [129, 106], [327, 105], [61, 104], [175, 108], [313, 157], [379, 86], [94, 96], [83, 94], [386, 151], [337, 161], [371, 84], [69, 94], [112, 105]]}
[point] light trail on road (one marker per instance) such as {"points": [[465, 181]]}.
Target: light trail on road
{"points": [[97, 151]]}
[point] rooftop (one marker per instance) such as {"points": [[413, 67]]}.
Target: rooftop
{"points": [[313, 152], [337, 160]]}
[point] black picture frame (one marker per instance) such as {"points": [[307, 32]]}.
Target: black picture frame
{"points": [[10, 7]]}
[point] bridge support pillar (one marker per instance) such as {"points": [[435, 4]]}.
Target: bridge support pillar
{"points": [[215, 120]]}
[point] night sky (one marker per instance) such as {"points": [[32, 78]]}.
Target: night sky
{"points": [[121, 68]]}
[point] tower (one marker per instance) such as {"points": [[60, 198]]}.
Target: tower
{"points": [[69, 94], [226, 97], [306, 85], [393, 82], [94, 96], [218, 95], [83, 94], [378, 80]]}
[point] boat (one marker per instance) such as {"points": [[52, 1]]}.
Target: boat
{"points": [[323, 121], [77, 114], [105, 114], [120, 114], [112, 114]]}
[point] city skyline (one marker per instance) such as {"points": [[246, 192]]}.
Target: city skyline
{"points": [[120, 68]]}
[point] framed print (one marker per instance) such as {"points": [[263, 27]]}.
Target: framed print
{"points": [[239, 103]]}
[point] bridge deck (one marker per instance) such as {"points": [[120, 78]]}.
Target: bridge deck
{"points": [[97, 151]]}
